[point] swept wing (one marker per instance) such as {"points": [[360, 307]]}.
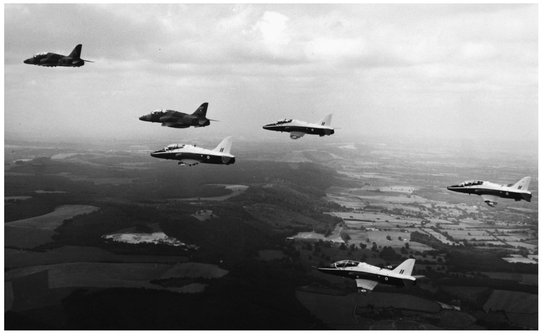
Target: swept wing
{"points": [[365, 285], [296, 135], [490, 200]]}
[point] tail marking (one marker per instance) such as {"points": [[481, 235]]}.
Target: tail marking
{"points": [[406, 267], [201, 110], [76, 53], [224, 146], [522, 184], [326, 121]]}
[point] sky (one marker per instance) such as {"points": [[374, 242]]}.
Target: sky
{"points": [[433, 71]]}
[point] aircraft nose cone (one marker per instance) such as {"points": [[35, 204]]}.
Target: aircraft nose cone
{"points": [[28, 61], [325, 270], [449, 188], [144, 117], [266, 127]]}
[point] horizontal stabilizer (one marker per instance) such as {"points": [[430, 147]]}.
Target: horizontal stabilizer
{"points": [[526, 197]]}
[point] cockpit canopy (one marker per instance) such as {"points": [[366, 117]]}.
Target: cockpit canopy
{"points": [[344, 263], [173, 146], [470, 183], [158, 111], [284, 121], [40, 54]]}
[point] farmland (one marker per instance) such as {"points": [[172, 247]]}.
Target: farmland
{"points": [[35, 231], [104, 275], [217, 244], [386, 219]]}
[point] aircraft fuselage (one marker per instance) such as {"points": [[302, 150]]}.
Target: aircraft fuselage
{"points": [[299, 128], [190, 155], [302, 129], [382, 276], [492, 189], [53, 60], [363, 271], [175, 119]]}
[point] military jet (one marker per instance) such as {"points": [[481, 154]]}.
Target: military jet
{"points": [[190, 155], [368, 276], [298, 128], [52, 60], [171, 118], [491, 192]]}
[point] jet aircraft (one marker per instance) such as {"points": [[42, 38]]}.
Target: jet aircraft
{"points": [[491, 192], [52, 60], [190, 155], [298, 128], [177, 119], [368, 276]]}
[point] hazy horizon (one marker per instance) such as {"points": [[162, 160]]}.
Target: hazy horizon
{"points": [[440, 72]]}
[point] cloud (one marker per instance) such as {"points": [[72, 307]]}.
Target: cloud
{"points": [[371, 63], [330, 49], [273, 29]]}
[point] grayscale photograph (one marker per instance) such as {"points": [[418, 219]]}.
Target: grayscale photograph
{"points": [[271, 166]]}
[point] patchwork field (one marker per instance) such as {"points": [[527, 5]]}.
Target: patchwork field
{"points": [[334, 237], [345, 311], [106, 275], [97, 180], [68, 254], [262, 226], [235, 190], [35, 231], [530, 279], [269, 255], [514, 302], [54, 219]]}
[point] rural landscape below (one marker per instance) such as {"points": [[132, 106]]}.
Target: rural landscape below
{"points": [[109, 238]]}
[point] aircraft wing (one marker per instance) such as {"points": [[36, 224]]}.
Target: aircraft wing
{"points": [[365, 285], [490, 200], [175, 124], [296, 135], [188, 162]]}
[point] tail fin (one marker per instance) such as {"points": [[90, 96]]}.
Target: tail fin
{"points": [[201, 110], [326, 121], [224, 146], [522, 184], [76, 53], [406, 267]]}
